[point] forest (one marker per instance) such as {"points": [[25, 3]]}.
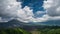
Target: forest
{"points": [[46, 30]]}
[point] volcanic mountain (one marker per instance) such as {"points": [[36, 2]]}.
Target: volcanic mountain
{"points": [[12, 23], [17, 23]]}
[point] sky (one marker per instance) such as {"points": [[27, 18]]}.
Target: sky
{"points": [[29, 10], [33, 4]]}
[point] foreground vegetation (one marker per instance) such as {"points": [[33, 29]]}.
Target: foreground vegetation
{"points": [[13, 31], [35, 31], [49, 31]]}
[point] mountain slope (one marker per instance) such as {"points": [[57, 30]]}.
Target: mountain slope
{"points": [[16, 23], [12, 23], [51, 22]]}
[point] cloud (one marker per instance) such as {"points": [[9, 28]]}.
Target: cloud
{"points": [[8, 9], [52, 7], [47, 5], [40, 12], [26, 15], [2, 20], [11, 9]]}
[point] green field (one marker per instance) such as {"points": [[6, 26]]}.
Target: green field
{"points": [[35, 31]]}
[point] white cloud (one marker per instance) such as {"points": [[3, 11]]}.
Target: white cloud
{"points": [[40, 12], [47, 4], [52, 7], [8, 9], [2, 20], [26, 15], [11, 9]]}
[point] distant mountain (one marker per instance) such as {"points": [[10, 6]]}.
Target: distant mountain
{"points": [[12, 23], [16, 23], [50, 22]]}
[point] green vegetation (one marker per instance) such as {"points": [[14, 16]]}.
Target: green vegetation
{"points": [[13, 31], [35, 31], [46, 31], [50, 31]]}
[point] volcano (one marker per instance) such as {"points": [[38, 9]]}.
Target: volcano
{"points": [[12, 23]]}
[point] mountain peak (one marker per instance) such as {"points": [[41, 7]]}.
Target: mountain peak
{"points": [[14, 21]]}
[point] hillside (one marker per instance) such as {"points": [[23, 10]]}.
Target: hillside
{"points": [[13, 31]]}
